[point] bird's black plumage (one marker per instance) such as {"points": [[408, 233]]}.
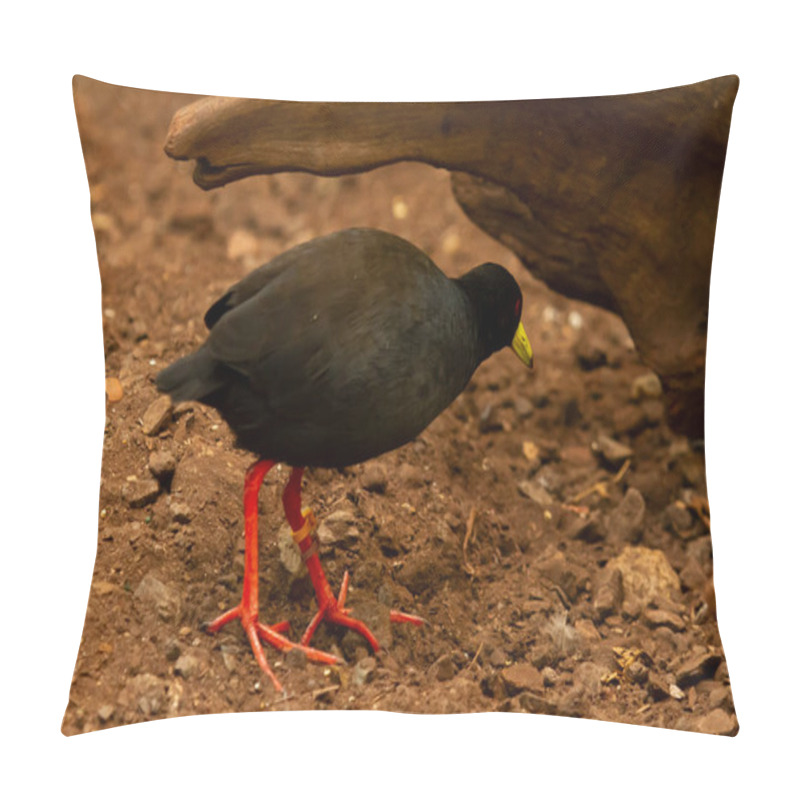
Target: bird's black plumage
{"points": [[344, 347]]}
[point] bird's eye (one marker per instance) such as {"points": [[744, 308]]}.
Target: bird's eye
{"points": [[517, 307]]}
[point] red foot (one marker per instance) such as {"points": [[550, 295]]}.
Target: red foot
{"points": [[336, 613], [271, 634], [331, 609]]}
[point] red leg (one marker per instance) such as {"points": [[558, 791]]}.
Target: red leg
{"points": [[247, 610], [331, 608]]}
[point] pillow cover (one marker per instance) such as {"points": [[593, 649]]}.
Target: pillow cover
{"points": [[551, 528]]}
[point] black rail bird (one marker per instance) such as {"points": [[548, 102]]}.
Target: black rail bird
{"points": [[334, 352]]}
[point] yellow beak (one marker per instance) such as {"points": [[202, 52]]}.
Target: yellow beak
{"points": [[522, 347]]}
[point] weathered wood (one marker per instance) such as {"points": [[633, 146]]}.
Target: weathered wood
{"points": [[610, 200]]}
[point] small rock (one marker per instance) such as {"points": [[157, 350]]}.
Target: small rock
{"points": [[589, 677], [608, 598], [113, 390], [159, 596], [409, 475], [590, 529], [647, 385], [721, 697], [677, 518], [536, 492], [186, 666], [162, 464], [692, 576], [181, 513], [626, 521], [172, 650], [364, 671], [523, 407], [568, 576], [105, 713], [646, 575], [489, 420], [138, 494], [289, 552], [638, 673], [653, 411], [522, 677], [718, 722], [676, 692], [577, 455], [373, 478], [612, 452], [443, 668], [157, 415], [587, 631], [696, 669], [656, 617], [549, 676], [540, 656]]}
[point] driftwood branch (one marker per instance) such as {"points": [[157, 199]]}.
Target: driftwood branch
{"points": [[610, 200]]}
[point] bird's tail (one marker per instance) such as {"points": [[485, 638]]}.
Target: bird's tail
{"points": [[192, 377]]}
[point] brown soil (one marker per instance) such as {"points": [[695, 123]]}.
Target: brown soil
{"points": [[497, 525]]}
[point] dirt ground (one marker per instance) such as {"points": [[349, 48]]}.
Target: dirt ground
{"points": [[549, 526]]}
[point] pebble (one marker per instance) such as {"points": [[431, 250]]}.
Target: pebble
{"points": [[186, 666], [158, 595], [409, 475], [172, 650], [523, 407], [373, 478], [364, 671], [549, 676], [656, 617], [138, 494], [289, 551], [646, 575], [697, 668], [162, 465], [608, 598], [587, 631], [114, 390], [157, 415], [638, 673], [489, 419], [676, 692], [614, 453], [647, 385], [443, 668], [718, 722], [626, 521], [181, 513], [522, 677], [589, 529], [536, 492], [105, 713], [721, 697]]}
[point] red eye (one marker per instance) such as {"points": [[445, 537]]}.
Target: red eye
{"points": [[517, 307]]}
